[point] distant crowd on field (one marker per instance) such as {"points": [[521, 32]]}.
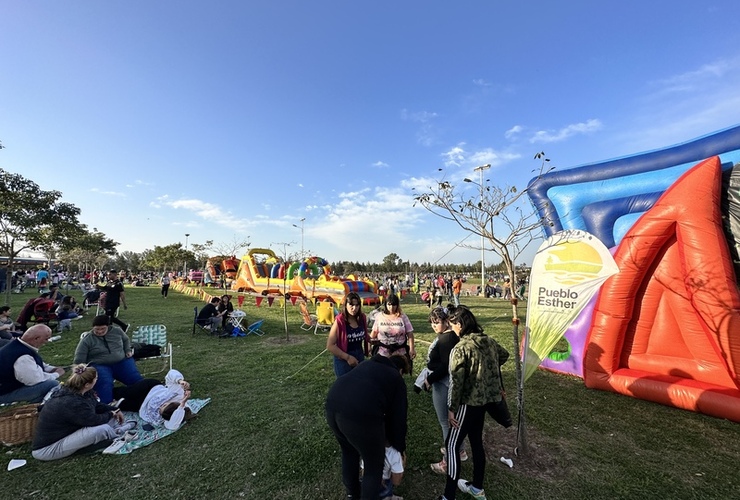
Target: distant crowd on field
{"points": [[42, 279], [367, 406]]}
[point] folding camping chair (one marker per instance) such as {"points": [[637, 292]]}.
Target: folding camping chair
{"points": [[309, 320], [256, 328], [91, 298], [153, 335], [197, 325], [324, 316]]}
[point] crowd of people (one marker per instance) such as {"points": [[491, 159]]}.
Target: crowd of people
{"points": [[367, 406], [84, 411]]}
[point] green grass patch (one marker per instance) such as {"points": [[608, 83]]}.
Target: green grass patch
{"points": [[264, 436]]}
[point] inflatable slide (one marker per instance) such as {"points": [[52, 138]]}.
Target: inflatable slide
{"points": [[218, 268], [264, 273], [666, 327]]}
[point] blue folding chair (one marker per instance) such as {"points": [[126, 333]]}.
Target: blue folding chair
{"points": [[256, 328]]}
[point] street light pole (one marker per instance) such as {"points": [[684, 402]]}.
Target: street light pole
{"points": [[482, 239], [302, 221], [185, 264]]}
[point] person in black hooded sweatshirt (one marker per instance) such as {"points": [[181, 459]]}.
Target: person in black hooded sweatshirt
{"points": [[365, 409]]}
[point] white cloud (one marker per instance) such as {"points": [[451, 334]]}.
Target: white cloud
{"points": [[370, 218], [587, 127], [418, 116], [458, 157], [419, 184], [426, 133], [107, 193], [300, 185], [380, 164], [686, 106], [495, 158], [696, 79], [513, 131], [455, 156], [208, 212]]}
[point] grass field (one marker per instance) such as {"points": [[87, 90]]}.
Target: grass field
{"points": [[264, 436]]}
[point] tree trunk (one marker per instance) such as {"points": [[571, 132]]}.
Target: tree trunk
{"points": [[522, 443], [285, 306], [8, 281]]}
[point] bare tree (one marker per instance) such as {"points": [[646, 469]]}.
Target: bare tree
{"points": [[232, 247], [286, 296], [502, 217]]}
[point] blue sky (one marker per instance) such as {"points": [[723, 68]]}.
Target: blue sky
{"points": [[240, 118]]}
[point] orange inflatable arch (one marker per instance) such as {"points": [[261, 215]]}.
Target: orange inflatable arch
{"points": [[667, 327]]}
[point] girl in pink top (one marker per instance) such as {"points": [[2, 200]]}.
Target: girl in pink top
{"points": [[393, 331]]}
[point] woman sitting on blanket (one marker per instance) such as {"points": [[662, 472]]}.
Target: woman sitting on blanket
{"points": [[73, 418]]}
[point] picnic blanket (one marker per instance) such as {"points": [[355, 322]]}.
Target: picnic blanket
{"points": [[145, 438]]}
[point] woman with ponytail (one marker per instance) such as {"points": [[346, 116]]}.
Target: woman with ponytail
{"points": [[73, 418], [475, 389]]}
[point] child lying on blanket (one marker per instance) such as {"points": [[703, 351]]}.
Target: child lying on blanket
{"points": [[167, 404], [158, 404]]}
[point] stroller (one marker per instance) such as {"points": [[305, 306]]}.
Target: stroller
{"points": [[37, 310]]}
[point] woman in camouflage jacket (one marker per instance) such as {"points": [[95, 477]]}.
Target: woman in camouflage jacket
{"points": [[475, 389]]}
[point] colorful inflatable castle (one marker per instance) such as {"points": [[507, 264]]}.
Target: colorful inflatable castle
{"points": [[666, 326], [218, 269], [262, 272]]}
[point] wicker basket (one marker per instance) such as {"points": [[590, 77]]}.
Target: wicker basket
{"points": [[17, 424]]}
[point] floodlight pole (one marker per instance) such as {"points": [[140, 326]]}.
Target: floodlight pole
{"points": [[303, 220], [480, 170], [185, 264]]}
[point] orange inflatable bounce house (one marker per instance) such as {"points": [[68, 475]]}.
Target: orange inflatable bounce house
{"points": [[667, 327]]}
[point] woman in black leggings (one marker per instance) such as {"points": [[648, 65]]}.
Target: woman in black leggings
{"points": [[475, 389]]}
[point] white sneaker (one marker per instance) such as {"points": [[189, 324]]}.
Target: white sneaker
{"points": [[467, 487], [115, 446]]}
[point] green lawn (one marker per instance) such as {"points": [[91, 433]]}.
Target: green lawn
{"points": [[263, 436]]}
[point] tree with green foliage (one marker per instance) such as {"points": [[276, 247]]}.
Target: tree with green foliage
{"points": [[89, 250], [201, 251], [170, 257], [392, 262], [31, 218]]}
